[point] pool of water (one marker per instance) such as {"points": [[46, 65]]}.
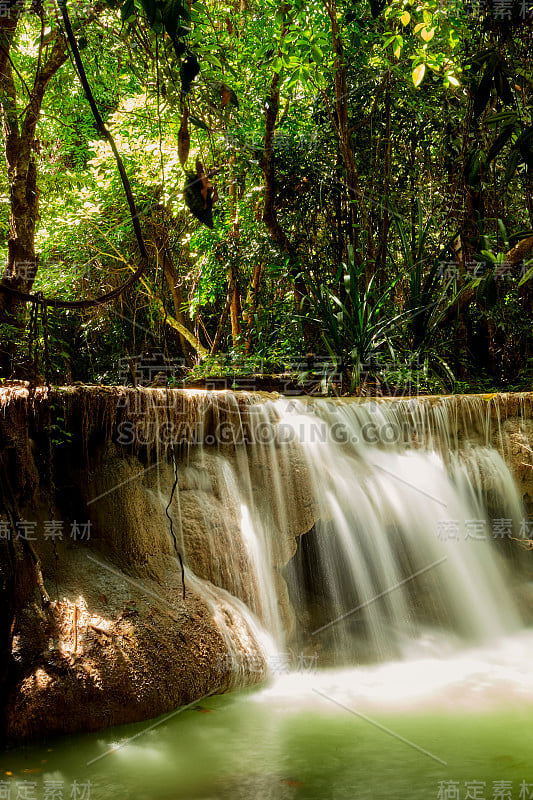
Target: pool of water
{"points": [[444, 727]]}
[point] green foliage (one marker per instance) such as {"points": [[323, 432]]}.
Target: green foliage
{"points": [[58, 427], [357, 322], [439, 121], [430, 294], [412, 375], [233, 365]]}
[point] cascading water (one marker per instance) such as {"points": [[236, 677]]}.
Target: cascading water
{"points": [[401, 540], [395, 541]]}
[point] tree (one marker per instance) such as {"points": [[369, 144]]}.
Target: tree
{"points": [[22, 94]]}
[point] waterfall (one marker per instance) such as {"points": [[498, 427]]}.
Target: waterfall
{"points": [[402, 539], [312, 532], [352, 529]]}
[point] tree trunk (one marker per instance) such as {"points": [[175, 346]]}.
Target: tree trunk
{"points": [[19, 124], [355, 196], [19, 136], [233, 276], [381, 255], [252, 303], [223, 319], [18, 571], [270, 214], [171, 278]]}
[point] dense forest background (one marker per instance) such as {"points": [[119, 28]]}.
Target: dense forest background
{"points": [[339, 191]]}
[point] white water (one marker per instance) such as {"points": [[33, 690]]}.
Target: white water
{"points": [[401, 544], [394, 522], [435, 675]]}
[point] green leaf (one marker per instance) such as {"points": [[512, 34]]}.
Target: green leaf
{"points": [[514, 160], [473, 162], [527, 275], [480, 59], [503, 88], [171, 13], [524, 143], [482, 93], [128, 11], [198, 123], [397, 50], [418, 74], [214, 61], [499, 142], [503, 231], [317, 53], [150, 9], [502, 116]]}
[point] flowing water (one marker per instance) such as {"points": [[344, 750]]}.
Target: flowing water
{"points": [[400, 664]]}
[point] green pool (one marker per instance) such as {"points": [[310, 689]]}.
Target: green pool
{"points": [[459, 726]]}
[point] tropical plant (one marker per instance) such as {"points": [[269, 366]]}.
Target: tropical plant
{"points": [[431, 288], [356, 323]]}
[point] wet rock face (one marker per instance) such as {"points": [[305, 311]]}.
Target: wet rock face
{"points": [[119, 642], [113, 651], [127, 521], [517, 447]]}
